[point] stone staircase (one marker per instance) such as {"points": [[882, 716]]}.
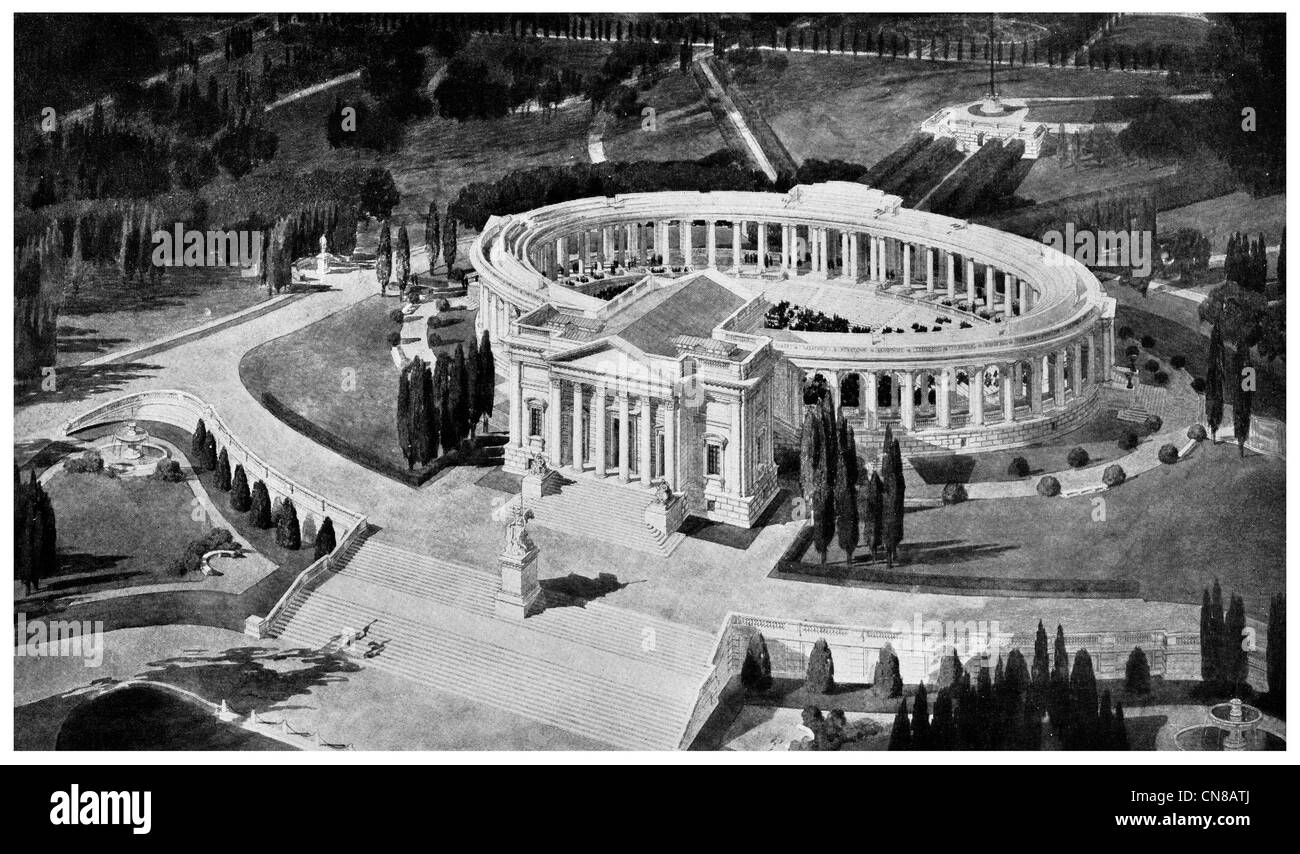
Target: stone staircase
{"points": [[615, 676], [621, 516]]}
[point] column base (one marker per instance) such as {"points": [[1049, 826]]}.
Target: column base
{"points": [[520, 594]]}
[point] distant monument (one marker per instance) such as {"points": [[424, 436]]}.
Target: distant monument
{"points": [[323, 259], [519, 595]]}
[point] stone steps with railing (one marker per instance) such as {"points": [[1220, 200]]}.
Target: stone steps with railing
{"points": [[620, 520]]}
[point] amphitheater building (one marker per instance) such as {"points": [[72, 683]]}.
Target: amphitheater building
{"points": [[669, 337]]}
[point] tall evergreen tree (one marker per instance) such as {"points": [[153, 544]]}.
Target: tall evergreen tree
{"points": [[920, 719], [325, 540], [1235, 663], [402, 258], [240, 498], [942, 728], [210, 453], [487, 377], [287, 533], [900, 737], [1058, 694], [846, 499], [449, 242], [198, 441], [1119, 740], [432, 234], [259, 512], [404, 415], [442, 403], [1275, 655], [1082, 734], [1214, 382], [1040, 676], [459, 394], [1243, 388], [820, 677], [473, 394], [222, 480], [384, 258]]}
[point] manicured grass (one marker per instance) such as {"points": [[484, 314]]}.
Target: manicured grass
{"points": [[1158, 29], [861, 108], [103, 314], [1050, 178], [126, 531], [308, 371], [1219, 218], [684, 127], [1174, 530]]}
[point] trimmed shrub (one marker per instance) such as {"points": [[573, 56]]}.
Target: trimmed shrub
{"points": [[1048, 486], [1132, 351], [222, 479], [1168, 454], [1198, 385], [210, 453], [756, 671], [1178, 362], [1151, 366], [325, 542], [1148, 342], [192, 559], [393, 338], [240, 498], [954, 493], [821, 669], [259, 512], [435, 340], [1197, 433], [198, 439], [1113, 475], [1137, 672], [1161, 378], [287, 533], [87, 462], [1126, 332], [1128, 440], [396, 316], [1019, 467], [1077, 458], [1153, 423], [168, 471], [441, 304]]}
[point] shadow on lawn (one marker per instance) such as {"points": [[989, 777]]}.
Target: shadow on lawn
{"points": [[78, 383]]}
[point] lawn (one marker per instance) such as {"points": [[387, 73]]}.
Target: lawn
{"points": [[1157, 29], [1219, 218], [861, 108], [339, 372], [1173, 530], [1050, 178], [121, 531], [103, 314], [683, 129]]}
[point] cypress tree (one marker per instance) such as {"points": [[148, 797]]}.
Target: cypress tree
{"points": [[1105, 724], [920, 720], [460, 394], [1243, 396], [384, 258], [473, 394], [441, 404], [240, 499], [210, 453], [1040, 675], [198, 441], [942, 729], [1137, 672], [1214, 642], [432, 234], [1235, 663], [812, 478], [1119, 740], [325, 541], [1275, 655], [449, 242], [1083, 728], [1058, 693], [900, 737], [893, 489], [259, 511], [404, 415], [846, 499], [402, 258], [1214, 383], [222, 479], [487, 373], [287, 533]]}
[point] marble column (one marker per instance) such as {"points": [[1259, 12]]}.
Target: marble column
{"points": [[1058, 380], [735, 244], [670, 443], [624, 441], [976, 395], [1076, 368], [1009, 282], [929, 270], [1036, 385], [688, 253], [943, 399], [845, 266], [711, 235], [907, 265], [870, 391], [555, 441], [736, 447], [1008, 394], [952, 275], [647, 430], [970, 282], [906, 384], [517, 428], [600, 420], [853, 256], [576, 438], [762, 246]]}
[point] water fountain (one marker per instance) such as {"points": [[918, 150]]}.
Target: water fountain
{"points": [[129, 452], [1233, 725]]}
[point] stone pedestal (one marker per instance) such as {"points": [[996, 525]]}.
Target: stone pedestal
{"points": [[254, 626], [519, 595], [534, 487]]}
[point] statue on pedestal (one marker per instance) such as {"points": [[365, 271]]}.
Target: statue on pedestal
{"points": [[518, 542]]}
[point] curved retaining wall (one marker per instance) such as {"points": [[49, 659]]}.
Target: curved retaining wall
{"points": [[182, 409]]}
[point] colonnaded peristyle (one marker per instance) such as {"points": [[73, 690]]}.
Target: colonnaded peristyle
{"points": [[674, 334]]}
